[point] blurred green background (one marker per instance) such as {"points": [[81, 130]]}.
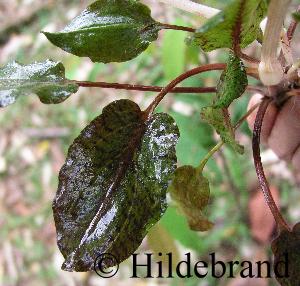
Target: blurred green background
{"points": [[34, 139]]}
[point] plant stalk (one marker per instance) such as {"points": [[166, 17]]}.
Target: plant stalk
{"points": [[281, 223], [270, 69], [192, 7]]}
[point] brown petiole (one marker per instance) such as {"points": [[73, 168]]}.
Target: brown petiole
{"points": [[281, 223]]}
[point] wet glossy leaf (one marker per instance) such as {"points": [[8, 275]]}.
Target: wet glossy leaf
{"points": [[108, 31], [218, 32], [46, 80], [220, 120], [112, 188], [190, 189], [286, 249], [232, 84]]}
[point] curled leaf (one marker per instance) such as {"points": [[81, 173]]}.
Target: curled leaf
{"points": [[190, 189], [112, 188], [286, 250], [218, 31], [220, 120], [45, 79], [108, 31], [232, 84]]}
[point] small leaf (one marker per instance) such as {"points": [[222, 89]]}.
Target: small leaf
{"points": [[218, 32], [286, 249], [220, 120], [46, 80], [112, 188], [108, 31], [190, 189], [296, 16], [232, 84]]}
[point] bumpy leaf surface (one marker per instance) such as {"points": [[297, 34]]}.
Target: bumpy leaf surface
{"points": [[190, 189], [46, 80], [108, 31], [232, 84], [219, 31], [286, 249], [112, 188]]}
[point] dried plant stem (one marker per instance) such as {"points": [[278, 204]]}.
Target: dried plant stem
{"points": [[192, 7], [281, 223], [292, 28], [270, 69]]}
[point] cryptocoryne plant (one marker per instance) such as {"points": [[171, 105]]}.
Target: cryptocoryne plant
{"points": [[113, 185]]}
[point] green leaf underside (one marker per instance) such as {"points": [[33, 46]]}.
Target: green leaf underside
{"points": [[190, 189], [218, 31], [288, 243], [232, 84], [112, 188], [108, 31], [220, 120], [45, 79]]}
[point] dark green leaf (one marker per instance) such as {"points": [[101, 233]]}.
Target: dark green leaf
{"points": [[232, 84], [190, 189], [296, 16], [286, 249], [220, 120], [242, 16], [112, 188], [108, 31], [46, 80]]}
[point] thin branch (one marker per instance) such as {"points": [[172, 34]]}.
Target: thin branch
{"points": [[246, 57], [178, 28], [182, 77], [281, 223], [257, 89], [192, 7], [138, 87], [292, 28]]}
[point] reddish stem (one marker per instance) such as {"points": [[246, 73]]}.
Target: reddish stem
{"points": [[144, 87], [179, 28], [281, 223], [292, 28], [176, 81]]}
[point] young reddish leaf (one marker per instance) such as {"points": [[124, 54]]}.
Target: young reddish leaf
{"points": [[112, 188], [46, 80], [190, 189], [108, 31], [220, 120], [218, 32], [286, 249], [232, 84]]}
